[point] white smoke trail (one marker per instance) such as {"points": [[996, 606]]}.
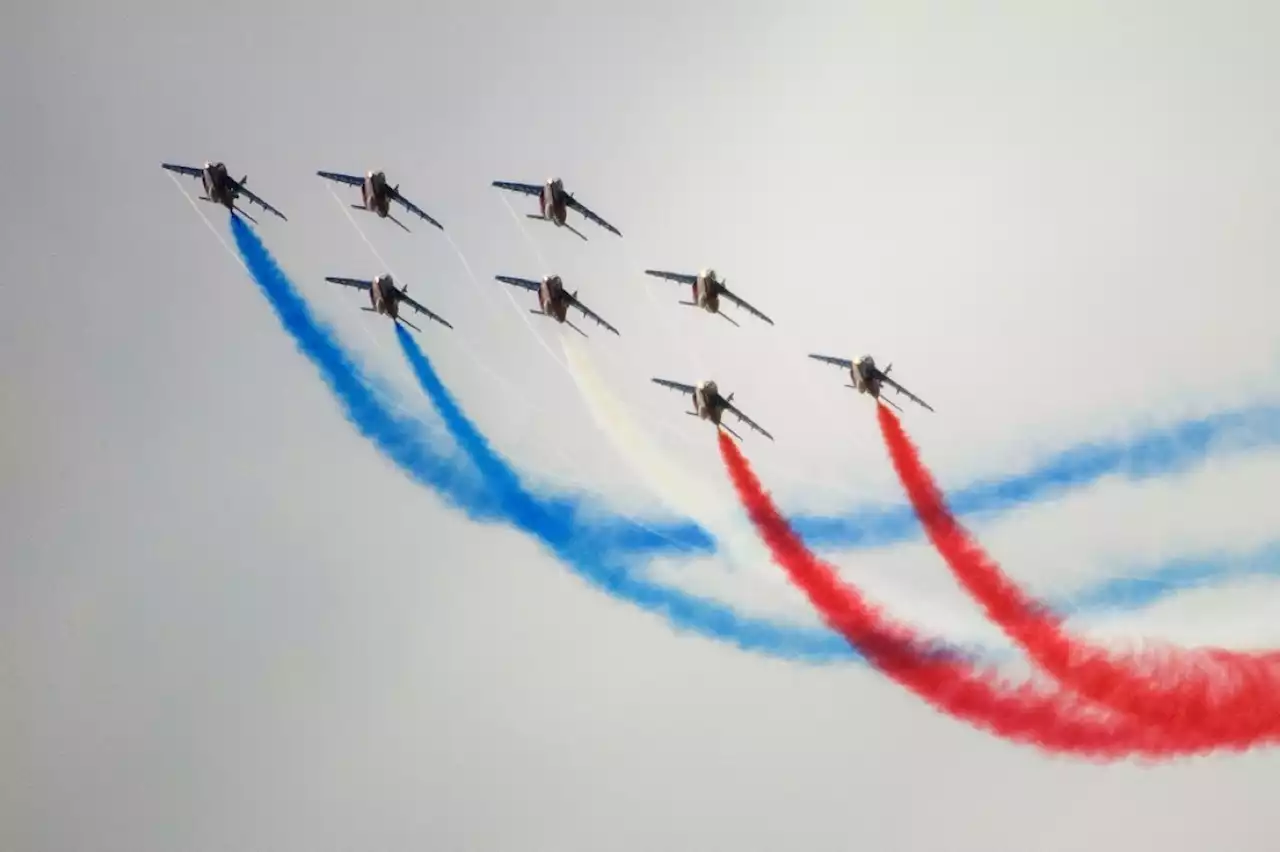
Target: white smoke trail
{"points": [[682, 492], [533, 244], [207, 223]]}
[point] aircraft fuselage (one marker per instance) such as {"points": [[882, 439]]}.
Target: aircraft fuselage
{"points": [[383, 296], [865, 377], [551, 201], [706, 291], [551, 298], [374, 193], [218, 185], [707, 402]]}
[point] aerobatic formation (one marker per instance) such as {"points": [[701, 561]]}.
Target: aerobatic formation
{"points": [[1101, 704], [554, 301]]}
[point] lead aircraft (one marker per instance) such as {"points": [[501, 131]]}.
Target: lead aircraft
{"points": [[221, 188]]}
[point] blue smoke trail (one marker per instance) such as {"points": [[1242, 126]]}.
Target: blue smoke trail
{"points": [[1147, 587], [598, 548], [555, 522], [364, 403], [552, 520], [1154, 454], [401, 439]]}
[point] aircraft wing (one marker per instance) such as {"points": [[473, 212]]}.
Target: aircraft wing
{"points": [[900, 389], [839, 362], [420, 309], [675, 385], [581, 208], [531, 286], [526, 188], [182, 170], [413, 208], [256, 200], [729, 406], [590, 314], [341, 178], [358, 283], [678, 277], [742, 303]]}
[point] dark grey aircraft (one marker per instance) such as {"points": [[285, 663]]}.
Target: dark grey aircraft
{"points": [[554, 301], [708, 404], [221, 188], [553, 204], [377, 196], [868, 378], [385, 298], [707, 290]]}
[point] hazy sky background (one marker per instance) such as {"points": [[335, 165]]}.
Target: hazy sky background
{"points": [[227, 623]]}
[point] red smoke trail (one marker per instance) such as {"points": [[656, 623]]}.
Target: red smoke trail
{"points": [[1047, 716], [1229, 697]]}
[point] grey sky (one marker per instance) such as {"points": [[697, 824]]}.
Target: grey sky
{"points": [[227, 622]]}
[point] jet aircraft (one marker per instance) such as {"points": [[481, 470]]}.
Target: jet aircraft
{"points": [[377, 196], [868, 378], [553, 203], [707, 290], [221, 188], [554, 301], [708, 404], [385, 298]]}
